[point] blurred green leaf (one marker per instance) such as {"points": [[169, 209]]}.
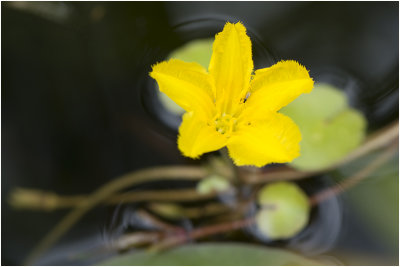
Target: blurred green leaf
{"points": [[234, 254], [286, 210], [330, 128]]}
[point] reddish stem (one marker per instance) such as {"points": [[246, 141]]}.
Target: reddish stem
{"points": [[203, 232]]}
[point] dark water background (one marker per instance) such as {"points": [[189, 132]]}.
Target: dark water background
{"points": [[72, 84]]}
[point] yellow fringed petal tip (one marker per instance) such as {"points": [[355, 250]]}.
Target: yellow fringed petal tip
{"points": [[227, 106]]}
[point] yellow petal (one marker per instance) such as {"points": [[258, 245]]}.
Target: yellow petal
{"points": [[274, 87], [197, 137], [187, 84], [231, 65], [272, 140]]}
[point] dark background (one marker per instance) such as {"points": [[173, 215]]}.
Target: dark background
{"points": [[72, 74]]}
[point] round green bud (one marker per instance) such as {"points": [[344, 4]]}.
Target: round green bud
{"points": [[284, 210], [213, 183]]}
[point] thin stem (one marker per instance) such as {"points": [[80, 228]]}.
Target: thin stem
{"points": [[134, 178], [34, 199], [356, 178], [380, 139], [156, 222], [177, 211], [202, 232], [281, 173], [181, 195], [136, 239], [22, 198], [207, 210]]}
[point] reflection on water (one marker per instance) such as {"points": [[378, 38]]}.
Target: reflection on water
{"points": [[78, 110]]}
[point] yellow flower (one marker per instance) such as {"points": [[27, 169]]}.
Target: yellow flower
{"points": [[229, 106]]}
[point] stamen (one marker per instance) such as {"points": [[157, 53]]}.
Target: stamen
{"points": [[225, 123]]}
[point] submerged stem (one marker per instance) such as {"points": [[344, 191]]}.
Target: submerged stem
{"points": [[203, 232], [381, 139], [146, 175], [356, 178], [22, 198]]}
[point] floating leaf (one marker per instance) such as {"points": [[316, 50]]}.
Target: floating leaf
{"points": [[330, 128], [233, 254], [284, 210]]}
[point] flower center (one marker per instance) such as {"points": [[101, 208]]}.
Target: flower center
{"points": [[225, 123]]}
